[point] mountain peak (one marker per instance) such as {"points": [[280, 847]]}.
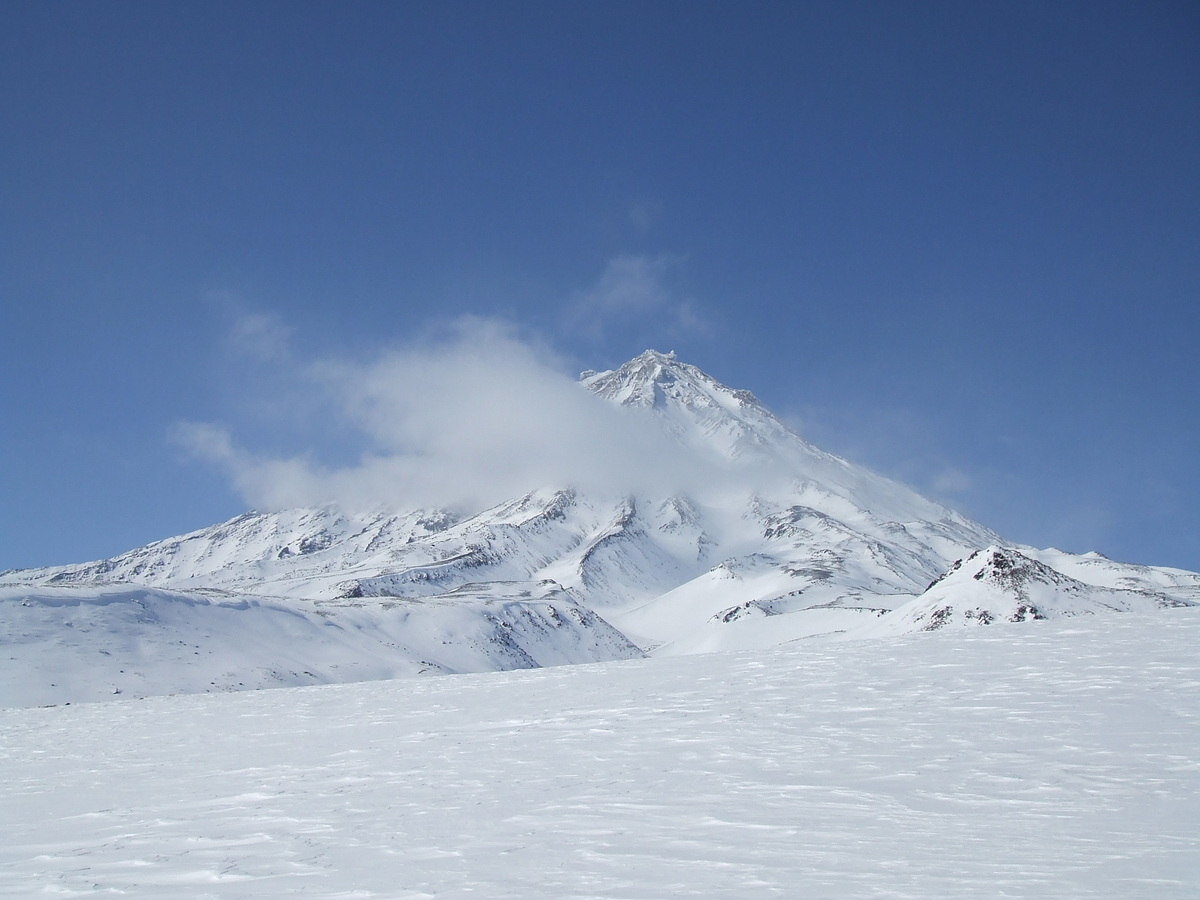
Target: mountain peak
{"points": [[1001, 566], [655, 356], [1010, 568], [652, 379], [1001, 584]]}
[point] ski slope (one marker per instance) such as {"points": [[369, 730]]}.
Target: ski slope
{"points": [[1047, 759]]}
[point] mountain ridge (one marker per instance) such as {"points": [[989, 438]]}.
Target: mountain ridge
{"points": [[779, 541]]}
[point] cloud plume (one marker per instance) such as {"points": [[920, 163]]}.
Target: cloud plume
{"points": [[462, 419]]}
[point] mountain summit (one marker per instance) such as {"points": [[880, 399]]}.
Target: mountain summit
{"points": [[779, 541], [693, 405], [655, 379]]}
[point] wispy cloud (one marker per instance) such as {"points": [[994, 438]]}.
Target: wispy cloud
{"points": [[636, 291], [263, 482], [644, 213], [252, 333], [260, 335]]}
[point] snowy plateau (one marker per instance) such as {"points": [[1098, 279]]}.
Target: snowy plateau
{"points": [[907, 704]]}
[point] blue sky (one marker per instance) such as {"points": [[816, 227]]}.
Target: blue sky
{"points": [[957, 242]]}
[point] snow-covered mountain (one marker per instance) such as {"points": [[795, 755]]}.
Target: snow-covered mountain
{"points": [[777, 541], [1003, 585]]}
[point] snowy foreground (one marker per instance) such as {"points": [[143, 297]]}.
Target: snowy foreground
{"points": [[1035, 760]]}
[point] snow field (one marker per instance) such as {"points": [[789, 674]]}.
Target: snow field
{"points": [[1047, 759]]}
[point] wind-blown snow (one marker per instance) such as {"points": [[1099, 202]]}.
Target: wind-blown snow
{"points": [[1053, 759]]}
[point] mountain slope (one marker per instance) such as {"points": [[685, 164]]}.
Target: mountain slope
{"points": [[1003, 585], [770, 540], [70, 644]]}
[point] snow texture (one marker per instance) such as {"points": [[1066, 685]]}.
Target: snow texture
{"points": [[1056, 759]]}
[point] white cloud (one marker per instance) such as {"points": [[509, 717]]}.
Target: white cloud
{"points": [[263, 482], [464, 418]]}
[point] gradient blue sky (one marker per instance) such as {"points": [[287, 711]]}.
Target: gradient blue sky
{"points": [[959, 242]]}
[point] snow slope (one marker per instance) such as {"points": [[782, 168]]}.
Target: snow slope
{"points": [[1055, 760], [75, 644]]}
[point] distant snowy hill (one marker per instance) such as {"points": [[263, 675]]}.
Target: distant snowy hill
{"points": [[1003, 585], [72, 644], [775, 540]]}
